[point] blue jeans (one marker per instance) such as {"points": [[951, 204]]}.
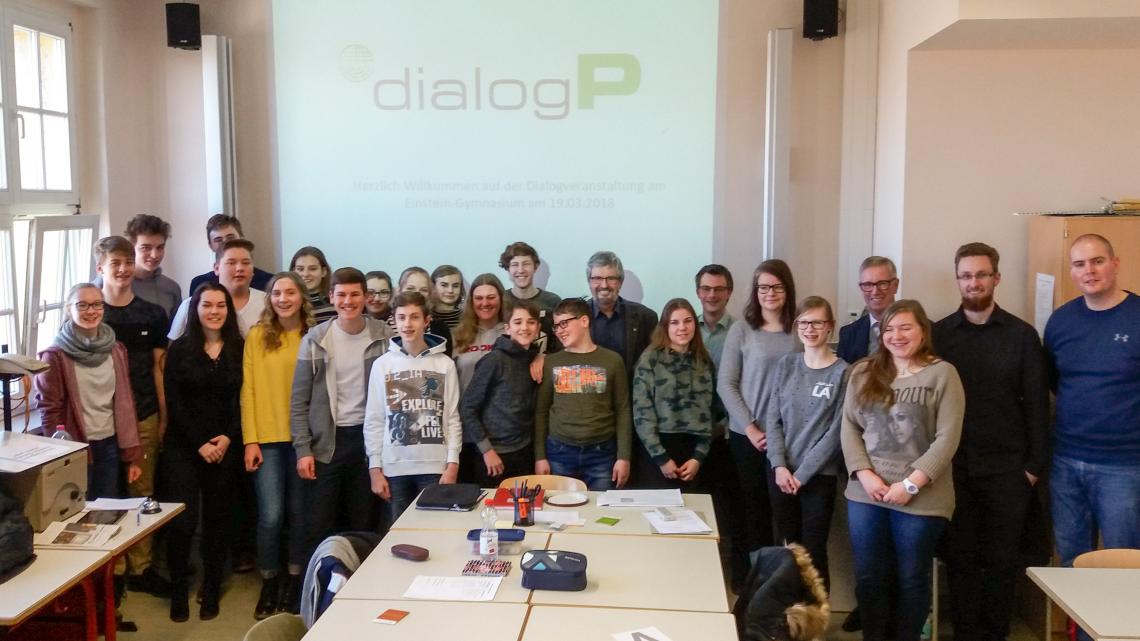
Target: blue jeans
{"points": [[405, 489], [593, 464], [279, 491], [883, 538], [1092, 497], [103, 470]]}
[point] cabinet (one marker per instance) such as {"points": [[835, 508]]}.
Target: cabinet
{"points": [[1049, 241]]}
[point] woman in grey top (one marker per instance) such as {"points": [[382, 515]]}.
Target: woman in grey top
{"points": [[744, 382], [803, 421], [902, 419]]}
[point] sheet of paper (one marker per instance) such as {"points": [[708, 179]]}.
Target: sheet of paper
{"points": [[1043, 302], [115, 504], [454, 588], [641, 498], [684, 522], [644, 634], [565, 517], [19, 454]]}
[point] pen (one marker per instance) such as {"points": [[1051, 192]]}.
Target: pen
{"points": [[138, 518]]}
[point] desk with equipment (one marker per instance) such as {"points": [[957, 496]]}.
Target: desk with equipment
{"points": [[635, 580]]}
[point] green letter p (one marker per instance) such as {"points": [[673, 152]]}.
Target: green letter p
{"points": [[589, 86]]}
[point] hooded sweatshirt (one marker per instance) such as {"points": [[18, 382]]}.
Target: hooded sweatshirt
{"points": [[411, 421], [498, 403]]}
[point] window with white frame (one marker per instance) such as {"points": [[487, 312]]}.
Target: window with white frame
{"points": [[36, 95]]}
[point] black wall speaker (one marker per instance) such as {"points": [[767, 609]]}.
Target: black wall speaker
{"points": [[183, 27], [821, 19]]}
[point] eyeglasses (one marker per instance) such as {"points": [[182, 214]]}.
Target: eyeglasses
{"points": [[563, 324], [378, 293], [814, 324], [97, 306], [706, 289], [967, 276], [881, 285], [609, 280], [778, 289]]}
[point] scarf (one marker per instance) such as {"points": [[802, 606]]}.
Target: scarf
{"points": [[90, 352]]}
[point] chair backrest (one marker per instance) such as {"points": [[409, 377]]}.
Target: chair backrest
{"points": [[547, 481], [279, 627], [1110, 558]]}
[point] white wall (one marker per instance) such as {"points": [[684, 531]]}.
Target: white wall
{"points": [[993, 132]]}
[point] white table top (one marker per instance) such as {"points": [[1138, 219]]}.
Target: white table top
{"points": [[658, 573], [383, 576], [1102, 601], [548, 623], [352, 619], [631, 523], [134, 527], [51, 574]]}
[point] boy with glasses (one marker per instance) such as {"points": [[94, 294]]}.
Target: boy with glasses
{"points": [[583, 425]]}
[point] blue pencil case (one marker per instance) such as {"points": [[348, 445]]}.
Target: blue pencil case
{"points": [[554, 570]]}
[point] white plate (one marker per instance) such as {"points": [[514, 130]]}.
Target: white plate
{"points": [[567, 499]]}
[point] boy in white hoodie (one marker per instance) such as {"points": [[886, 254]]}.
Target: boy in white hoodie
{"points": [[412, 431]]}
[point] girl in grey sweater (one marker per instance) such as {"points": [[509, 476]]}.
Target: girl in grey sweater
{"points": [[804, 415]]}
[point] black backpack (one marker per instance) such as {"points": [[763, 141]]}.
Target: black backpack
{"points": [[16, 551]]}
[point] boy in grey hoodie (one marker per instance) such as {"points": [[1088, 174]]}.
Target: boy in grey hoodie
{"points": [[412, 431], [330, 385]]}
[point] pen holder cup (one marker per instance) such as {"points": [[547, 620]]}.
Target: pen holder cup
{"points": [[524, 514]]}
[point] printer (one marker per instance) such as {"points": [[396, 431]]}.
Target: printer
{"points": [[48, 476]]}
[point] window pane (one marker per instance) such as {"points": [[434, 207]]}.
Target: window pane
{"points": [[48, 330], [53, 73], [3, 161], [7, 295], [29, 125], [57, 149], [27, 67]]}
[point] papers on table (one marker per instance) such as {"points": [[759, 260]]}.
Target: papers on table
{"points": [[454, 588], [684, 522], [641, 498], [565, 517], [115, 504], [76, 535]]}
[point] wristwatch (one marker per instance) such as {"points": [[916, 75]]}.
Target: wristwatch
{"points": [[909, 486]]}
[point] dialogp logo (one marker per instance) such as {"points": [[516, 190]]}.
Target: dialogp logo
{"points": [[356, 63]]}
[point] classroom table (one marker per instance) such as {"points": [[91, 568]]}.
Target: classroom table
{"points": [[352, 619], [657, 573], [1103, 601], [631, 523], [52, 573], [383, 576], [132, 527], [548, 622]]}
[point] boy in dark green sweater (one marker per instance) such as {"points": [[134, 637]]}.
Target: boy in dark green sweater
{"points": [[583, 426]]}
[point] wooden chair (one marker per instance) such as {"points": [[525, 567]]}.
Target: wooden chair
{"points": [[279, 627], [547, 481], [1110, 558]]}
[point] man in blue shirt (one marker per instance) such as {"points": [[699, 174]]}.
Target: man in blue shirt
{"points": [[1093, 345]]}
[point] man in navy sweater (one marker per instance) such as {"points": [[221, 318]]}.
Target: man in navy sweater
{"points": [[1093, 345]]}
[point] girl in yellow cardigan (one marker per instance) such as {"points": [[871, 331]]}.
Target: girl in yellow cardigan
{"points": [[270, 357]]}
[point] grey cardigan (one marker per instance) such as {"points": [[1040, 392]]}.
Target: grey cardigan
{"points": [[312, 406]]}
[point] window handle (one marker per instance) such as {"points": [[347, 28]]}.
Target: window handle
{"points": [[20, 125], [43, 312]]}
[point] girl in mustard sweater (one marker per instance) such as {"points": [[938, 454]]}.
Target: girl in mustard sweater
{"points": [[270, 357]]}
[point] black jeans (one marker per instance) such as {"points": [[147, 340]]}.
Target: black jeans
{"points": [[517, 463], [208, 489], [680, 448], [340, 498], [752, 470], [984, 553], [805, 517]]}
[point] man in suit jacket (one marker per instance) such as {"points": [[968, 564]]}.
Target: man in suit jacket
{"points": [[878, 280], [616, 323]]}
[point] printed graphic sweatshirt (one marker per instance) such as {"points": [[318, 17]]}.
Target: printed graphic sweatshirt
{"points": [[411, 422]]}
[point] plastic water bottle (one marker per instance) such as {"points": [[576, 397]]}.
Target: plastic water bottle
{"points": [[489, 536], [61, 433]]}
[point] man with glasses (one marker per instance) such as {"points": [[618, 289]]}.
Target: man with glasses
{"points": [[616, 324], [141, 327], [879, 282], [521, 261], [714, 288], [1004, 443]]}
